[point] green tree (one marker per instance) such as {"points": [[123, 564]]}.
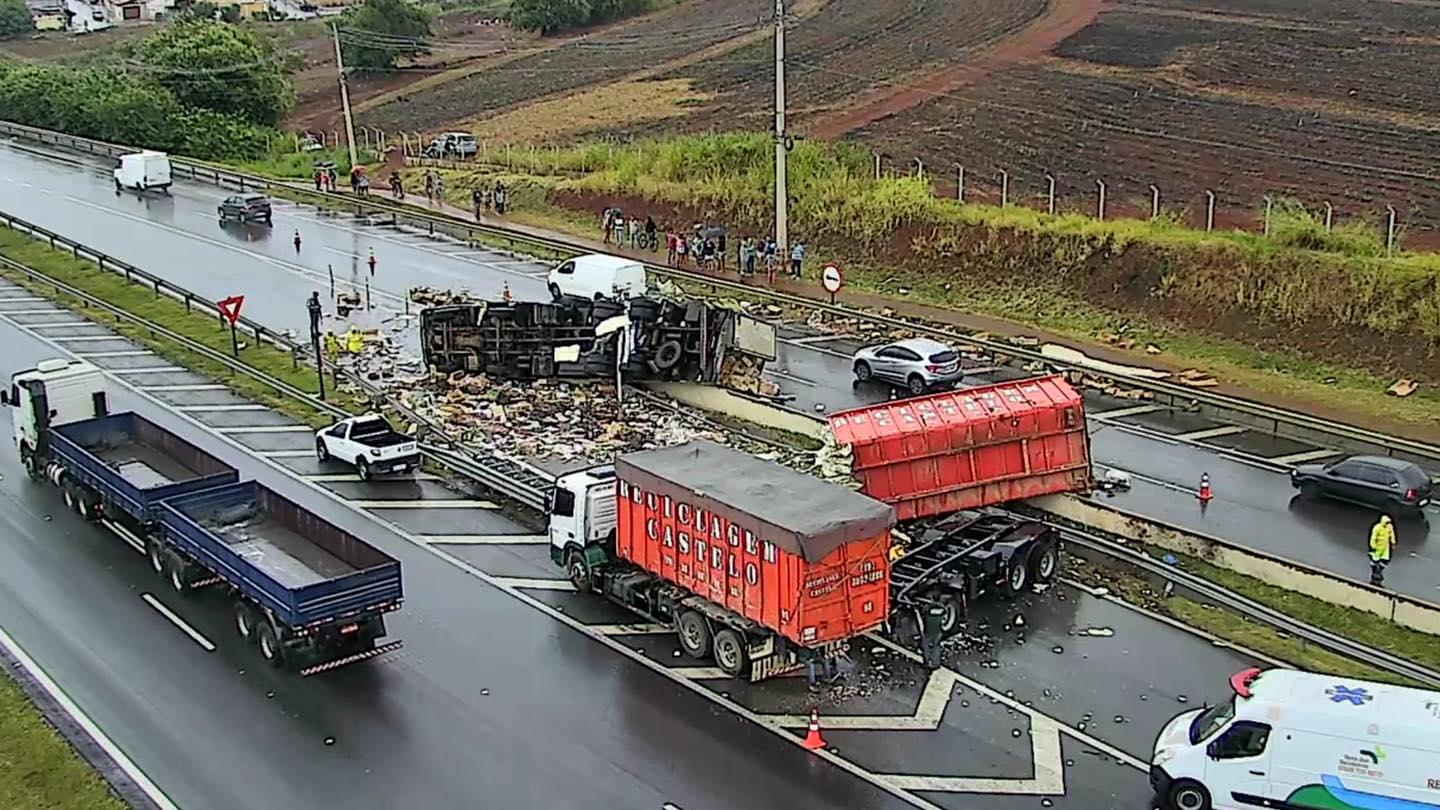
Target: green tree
{"points": [[377, 33], [546, 16], [213, 66], [15, 19]]}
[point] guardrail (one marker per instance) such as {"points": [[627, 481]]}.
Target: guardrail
{"points": [[512, 478], [1238, 409]]}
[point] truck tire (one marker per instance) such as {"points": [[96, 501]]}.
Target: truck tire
{"points": [[245, 620], [668, 354], [362, 469], [68, 492], [694, 634], [1017, 577], [320, 451], [86, 503], [32, 467], [578, 570], [731, 654], [1044, 563], [177, 573], [954, 613], [156, 556], [269, 643], [1187, 795]]}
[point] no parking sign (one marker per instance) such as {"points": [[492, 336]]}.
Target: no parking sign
{"points": [[832, 279]]}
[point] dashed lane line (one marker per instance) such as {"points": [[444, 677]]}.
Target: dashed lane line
{"points": [[436, 503], [194, 634], [487, 539]]}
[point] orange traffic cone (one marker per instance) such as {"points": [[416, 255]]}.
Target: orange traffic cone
{"points": [[813, 740], [505, 293], [1205, 494]]}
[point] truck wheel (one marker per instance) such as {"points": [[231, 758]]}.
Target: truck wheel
{"points": [[244, 620], [320, 451], [1187, 795], [668, 354], [32, 467], [85, 504], [950, 619], [1045, 563], [730, 652], [694, 634], [269, 643], [579, 571], [177, 572], [1017, 578], [156, 556], [362, 469], [69, 494]]}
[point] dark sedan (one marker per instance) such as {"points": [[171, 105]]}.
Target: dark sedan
{"points": [[246, 208], [1392, 486]]}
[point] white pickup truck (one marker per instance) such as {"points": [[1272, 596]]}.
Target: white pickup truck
{"points": [[370, 444]]}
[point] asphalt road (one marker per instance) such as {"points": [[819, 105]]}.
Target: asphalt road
{"points": [[180, 238], [517, 689]]}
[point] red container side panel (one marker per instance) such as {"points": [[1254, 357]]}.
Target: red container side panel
{"points": [[970, 448], [732, 565]]}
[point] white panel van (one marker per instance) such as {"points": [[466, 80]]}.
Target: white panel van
{"points": [[143, 171], [596, 276], [1303, 741]]}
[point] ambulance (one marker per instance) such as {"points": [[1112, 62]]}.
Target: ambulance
{"points": [[1302, 741]]}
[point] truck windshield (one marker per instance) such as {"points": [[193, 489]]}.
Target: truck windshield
{"points": [[1211, 720]]}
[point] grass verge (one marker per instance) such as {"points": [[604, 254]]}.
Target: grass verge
{"points": [[196, 325], [38, 768]]}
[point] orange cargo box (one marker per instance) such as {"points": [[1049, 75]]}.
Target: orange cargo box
{"points": [[805, 558], [970, 448]]}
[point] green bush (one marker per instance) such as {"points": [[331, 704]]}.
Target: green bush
{"points": [[548, 16], [14, 19], [212, 65]]}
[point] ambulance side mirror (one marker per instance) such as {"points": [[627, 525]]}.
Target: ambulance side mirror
{"points": [[1213, 750]]}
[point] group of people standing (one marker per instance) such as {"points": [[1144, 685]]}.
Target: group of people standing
{"points": [[704, 247]]}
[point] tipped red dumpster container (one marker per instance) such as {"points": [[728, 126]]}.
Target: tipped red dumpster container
{"points": [[971, 448]]}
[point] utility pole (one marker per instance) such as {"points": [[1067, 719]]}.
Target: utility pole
{"points": [[344, 94], [782, 227]]}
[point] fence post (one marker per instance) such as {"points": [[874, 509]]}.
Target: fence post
{"points": [[1329, 217], [960, 185], [919, 168], [876, 156], [1154, 201], [1100, 208], [1050, 193], [1269, 205], [335, 136], [1390, 233], [1209, 210], [1004, 188]]}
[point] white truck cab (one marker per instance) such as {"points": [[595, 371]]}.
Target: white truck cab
{"points": [[1303, 740], [582, 514], [143, 171], [54, 392], [369, 444], [597, 276]]}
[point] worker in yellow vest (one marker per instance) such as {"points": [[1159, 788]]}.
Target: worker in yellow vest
{"points": [[332, 346], [354, 341], [1382, 543]]}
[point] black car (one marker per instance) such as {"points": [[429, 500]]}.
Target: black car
{"points": [[246, 208], [1387, 484]]}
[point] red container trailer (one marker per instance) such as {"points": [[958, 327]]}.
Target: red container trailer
{"points": [[762, 565], [939, 454]]}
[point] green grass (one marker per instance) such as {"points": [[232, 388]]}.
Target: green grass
{"points": [[38, 768], [199, 326]]}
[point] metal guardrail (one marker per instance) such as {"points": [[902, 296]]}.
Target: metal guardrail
{"points": [[530, 487], [1172, 392], [512, 478]]}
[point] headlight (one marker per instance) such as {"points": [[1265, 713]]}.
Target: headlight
{"points": [[1163, 756]]}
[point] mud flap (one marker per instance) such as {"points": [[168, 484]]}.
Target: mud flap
{"points": [[326, 666]]}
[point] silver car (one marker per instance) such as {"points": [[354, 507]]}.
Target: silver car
{"points": [[918, 364]]}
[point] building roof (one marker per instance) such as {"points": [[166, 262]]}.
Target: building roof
{"points": [[799, 513]]}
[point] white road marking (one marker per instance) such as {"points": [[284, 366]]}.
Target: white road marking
{"points": [[282, 453], [194, 387], [125, 353], [536, 584], [1159, 482], [806, 341], [247, 406], [36, 311], [352, 478], [629, 629], [143, 782], [265, 428], [87, 324], [487, 539], [437, 503], [1133, 410], [699, 673], [124, 534], [22, 299], [1049, 779], [791, 377], [86, 338], [1211, 433], [144, 369], [926, 717], [178, 622], [1301, 458]]}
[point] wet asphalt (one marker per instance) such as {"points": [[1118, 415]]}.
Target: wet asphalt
{"points": [[513, 688]]}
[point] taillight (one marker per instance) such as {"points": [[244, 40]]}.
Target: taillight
{"points": [[932, 368], [349, 628], [1411, 494]]}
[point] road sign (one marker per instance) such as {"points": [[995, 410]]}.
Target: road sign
{"points": [[832, 279], [230, 308]]}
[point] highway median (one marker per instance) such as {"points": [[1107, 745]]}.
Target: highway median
{"points": [[38, 768]]}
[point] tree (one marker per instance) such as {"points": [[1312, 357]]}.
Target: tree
{"points": [[15, 19], [546, 16], [213, 66], [383, 31]]}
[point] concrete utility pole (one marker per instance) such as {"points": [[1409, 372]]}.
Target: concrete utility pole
{"points": [[344, 94], [782, 227]]}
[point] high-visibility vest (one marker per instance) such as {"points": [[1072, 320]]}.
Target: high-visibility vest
{"points": [[354, 342]]}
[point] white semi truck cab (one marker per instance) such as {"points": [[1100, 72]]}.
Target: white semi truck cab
{"points": [[582, 518], [54, 392]]}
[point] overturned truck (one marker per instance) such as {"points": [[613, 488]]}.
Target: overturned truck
{"points": [[642, 338]]}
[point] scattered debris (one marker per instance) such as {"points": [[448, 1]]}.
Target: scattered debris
{"points": [[1096, 632], [1151, 348], [1402, 387], [1196, 378], [1112, 480]]}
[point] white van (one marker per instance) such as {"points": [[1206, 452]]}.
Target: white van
{"points": [[1301, 740], [596, 276], [143, 171]]}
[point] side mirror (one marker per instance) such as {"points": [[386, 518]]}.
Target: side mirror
{"points": [[4, 397], [1213, 750]]}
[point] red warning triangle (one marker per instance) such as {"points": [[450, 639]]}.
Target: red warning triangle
{"points": [[230, 308]]}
